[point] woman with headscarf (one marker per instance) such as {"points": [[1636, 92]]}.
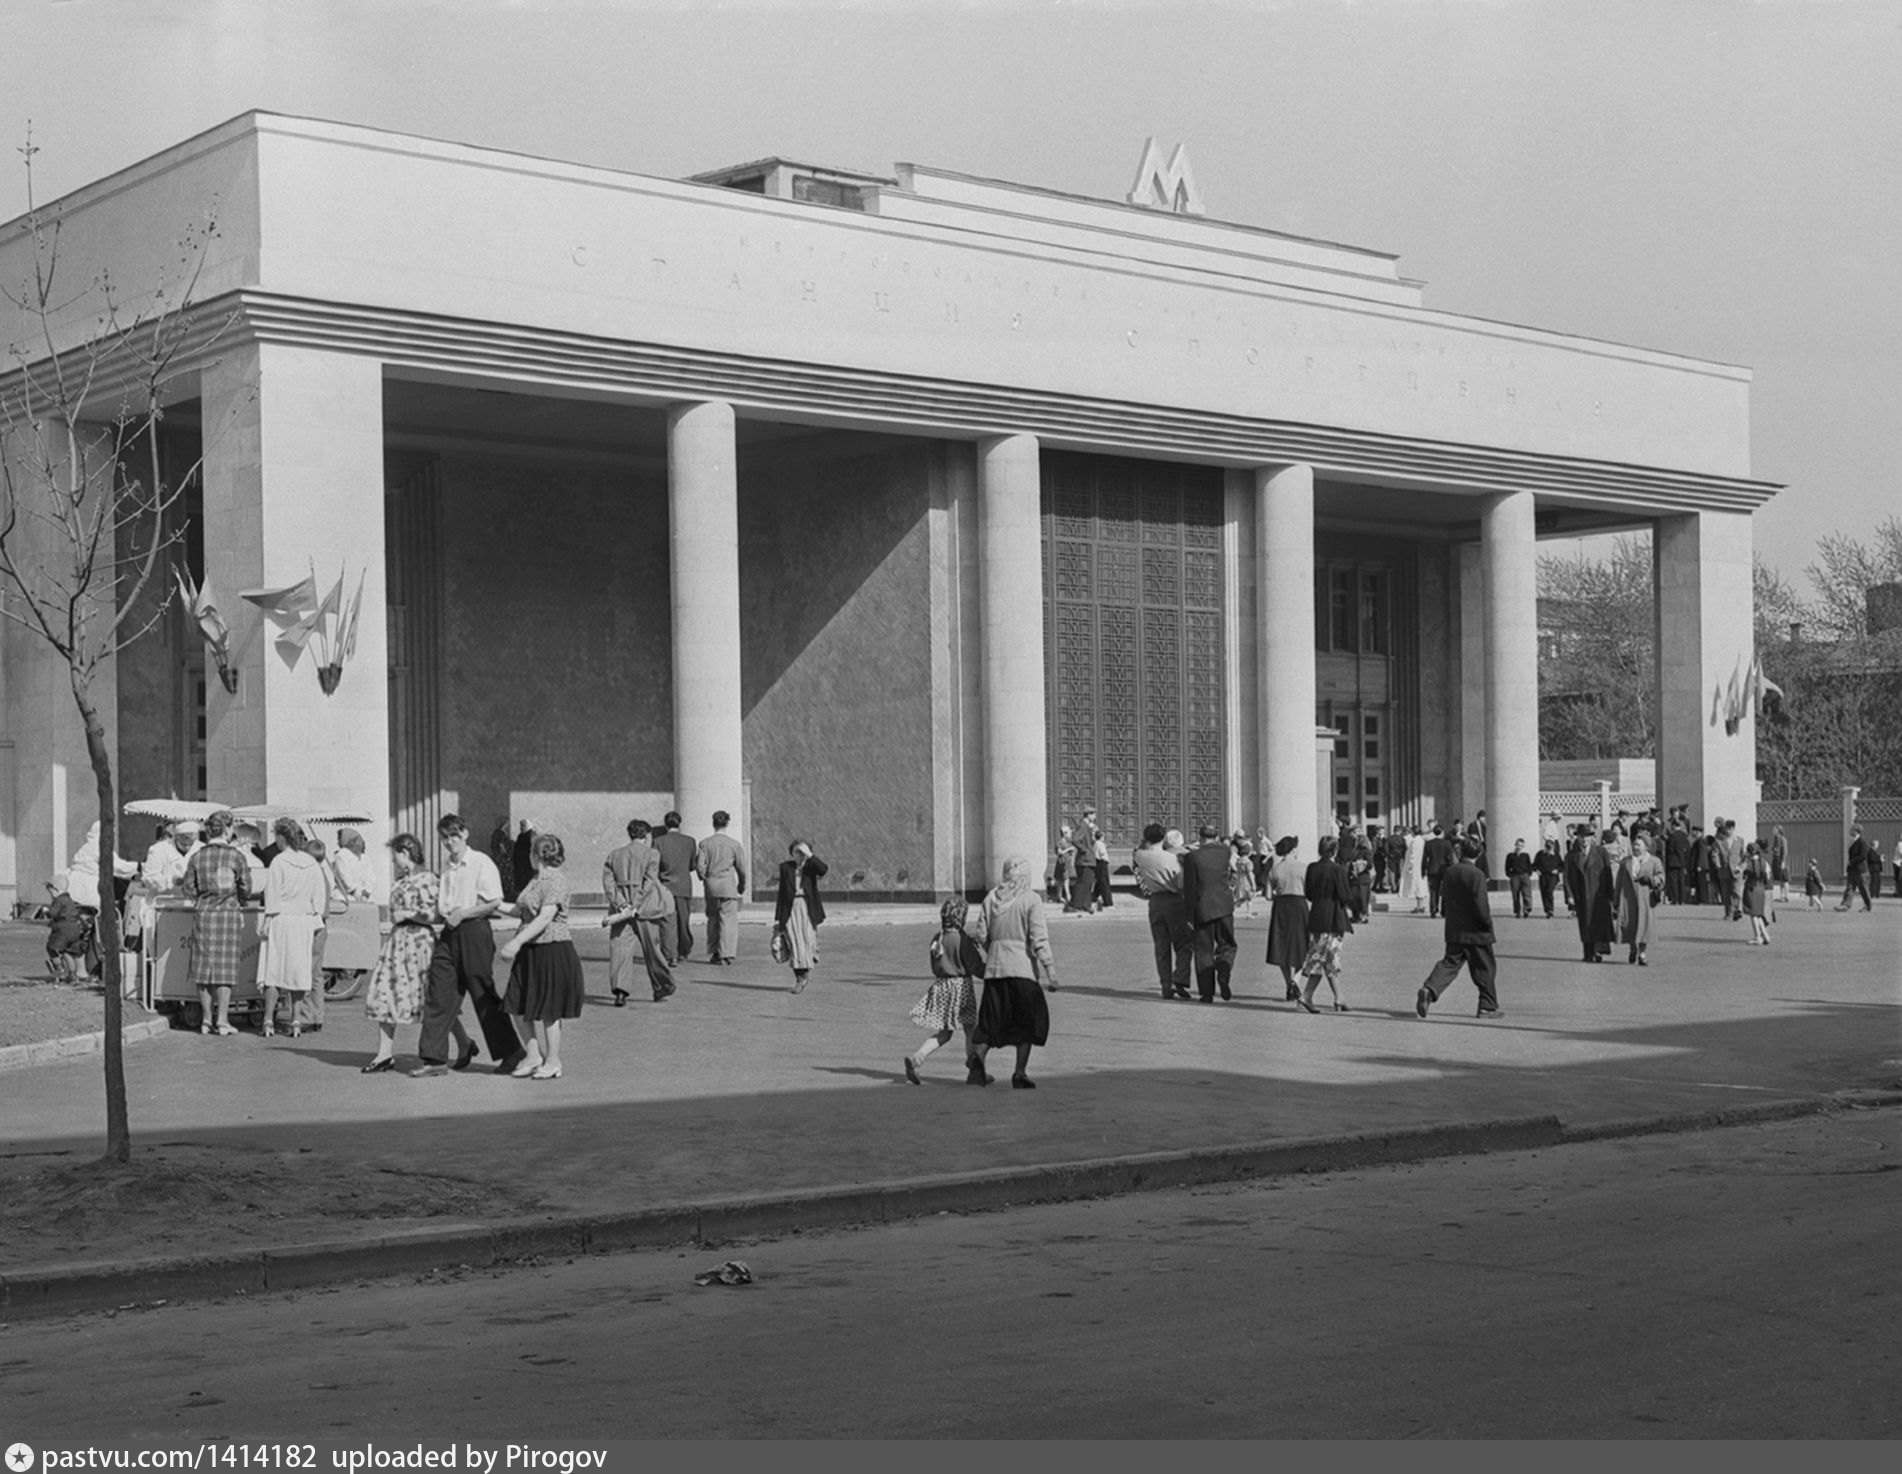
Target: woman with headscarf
{"points": [[296, 900], [1756, 893], [950, 1003], [798, 912], [218, 879], [1640, 883], [1016, 945], [1330, 919], [1287, 914]]}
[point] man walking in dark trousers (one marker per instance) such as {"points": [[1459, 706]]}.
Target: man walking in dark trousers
{"points": [[1856, 871], [1519, 879], [1550, 867], [464, 959], [1159, 877], [676, 851], [1469, 936], [1209, 904], [1435, 857]]}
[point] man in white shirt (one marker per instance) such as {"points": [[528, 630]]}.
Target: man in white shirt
{"points": [[1159, 877], [464, 959], [351, 868]]}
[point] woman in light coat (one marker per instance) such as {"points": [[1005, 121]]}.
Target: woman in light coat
{"points": [[296, 900], [1640, 883], [1016, 943]]}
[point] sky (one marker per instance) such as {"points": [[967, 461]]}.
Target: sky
{"points": [[1708, 177]]}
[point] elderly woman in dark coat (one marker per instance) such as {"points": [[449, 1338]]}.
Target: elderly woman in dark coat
{"points": [[1330, 919], [1288, 914]]}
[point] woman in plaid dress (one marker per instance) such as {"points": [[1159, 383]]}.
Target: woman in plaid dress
{"points": [[218, 878]]}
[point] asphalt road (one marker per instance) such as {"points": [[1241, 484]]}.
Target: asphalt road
{"points": [[1737, 1283]]}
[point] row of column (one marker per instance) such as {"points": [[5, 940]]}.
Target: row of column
{"points": [[317, 419]]}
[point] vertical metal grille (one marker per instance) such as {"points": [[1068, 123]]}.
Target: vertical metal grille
{"points": [[412, 506], [1134, 652]]}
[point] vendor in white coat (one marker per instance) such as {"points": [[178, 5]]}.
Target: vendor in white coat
{"points": [[82, 883]]}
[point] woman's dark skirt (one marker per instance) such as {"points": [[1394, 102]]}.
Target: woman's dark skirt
{"points": [[1288, 932], [545, 984], [1013, 1012]]}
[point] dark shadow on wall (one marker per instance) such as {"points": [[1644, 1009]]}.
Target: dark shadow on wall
{"points": [[835, 629]]}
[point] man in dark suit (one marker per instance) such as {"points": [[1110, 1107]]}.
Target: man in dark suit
{"points": [[1677, 859], [1588, 874], [1856, 871], [676, 851], [1209, 905], [1435, 859], [1469, 936]]}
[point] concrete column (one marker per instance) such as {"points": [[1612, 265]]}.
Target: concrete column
{"points": [[293, 483], [1284, 631], [704, 538], [1010, 583], [1509, 553], [1469, 793], [1702, 568]]}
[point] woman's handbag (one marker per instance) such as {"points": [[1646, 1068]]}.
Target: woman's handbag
{"points": [[781, 945]]}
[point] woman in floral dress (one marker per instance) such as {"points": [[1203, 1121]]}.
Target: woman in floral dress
{"points": [[402, 969]]}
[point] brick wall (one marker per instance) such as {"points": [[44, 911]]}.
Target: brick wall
{"points": [[835, 628], [557, 685]]}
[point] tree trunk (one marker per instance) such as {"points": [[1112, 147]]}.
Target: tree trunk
{"points": [[106, 928]]}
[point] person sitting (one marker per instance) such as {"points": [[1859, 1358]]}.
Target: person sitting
{"points": [[68, 935]]}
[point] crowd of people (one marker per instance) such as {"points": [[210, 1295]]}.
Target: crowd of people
{"points": [[990, 964]]}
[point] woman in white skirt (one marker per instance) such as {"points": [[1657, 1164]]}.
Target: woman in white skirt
{"points": [[799, 913], [296, 900]]}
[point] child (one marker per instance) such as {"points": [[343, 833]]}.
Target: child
{"points": [[68, 935], [950, 1003], [1813, 887]]}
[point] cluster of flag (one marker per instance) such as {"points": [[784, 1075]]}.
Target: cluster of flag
{"points": [[300, 616], [203, 610], [1744, 695]]}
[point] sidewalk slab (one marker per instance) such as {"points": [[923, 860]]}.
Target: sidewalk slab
{"points": [[735, 1092]]}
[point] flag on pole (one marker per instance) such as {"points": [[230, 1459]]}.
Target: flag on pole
{"points": [[312, 623], [203, 609], [347, 640], [286, 607], [1761, 686]]}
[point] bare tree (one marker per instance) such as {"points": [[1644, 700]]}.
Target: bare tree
{"points": [[83, 530]]}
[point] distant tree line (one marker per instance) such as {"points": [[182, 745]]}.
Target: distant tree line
{"points": [[1836, 657]]}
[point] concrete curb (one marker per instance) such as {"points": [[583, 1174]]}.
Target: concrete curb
{"points": [[66, 1289], [19, 1056]]}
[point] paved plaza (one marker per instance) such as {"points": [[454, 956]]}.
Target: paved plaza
{"points": [[736, 1087]]}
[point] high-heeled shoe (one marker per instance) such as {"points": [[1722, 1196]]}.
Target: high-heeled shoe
{"points": [[546, 1072], [527, 1067], [620, 998], [1306, 1006], [265, 1031], [466, 1058], [379, 1066], [1340, 1007], [224, 1029]]}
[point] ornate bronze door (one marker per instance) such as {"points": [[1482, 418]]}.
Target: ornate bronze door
{"points": [[1133, 596]]}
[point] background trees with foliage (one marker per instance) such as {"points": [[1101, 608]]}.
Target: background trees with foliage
{"points": [[1835, 652]]}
